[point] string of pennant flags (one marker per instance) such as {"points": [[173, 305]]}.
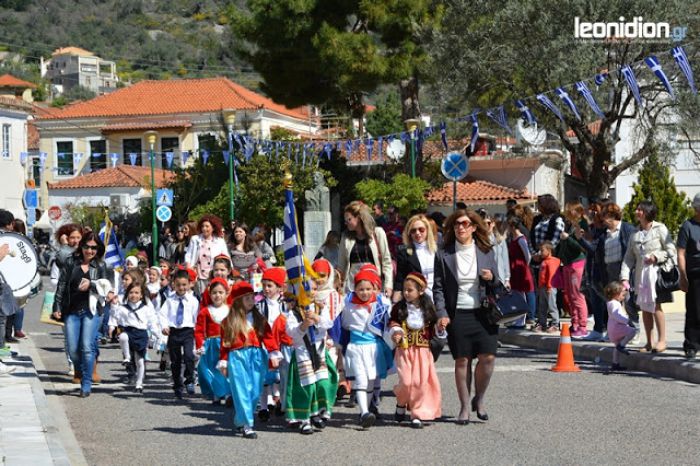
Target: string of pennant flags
{"points": [[312, 152]]}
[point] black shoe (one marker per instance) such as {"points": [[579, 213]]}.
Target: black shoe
{"points": [[690, 354], [416, 424], [264, 415], [163, 365], [374, 409], [617, 367], [622, 349], [399, 417], [351, 402], [139, 390], [178, 393], [483, 417], [11, 340], [103, 341], [462, 422], [279, 412], [250, 433], [84, 394], [131, 380], [367, 420], [318, 422], [190, 388], [229, 402]]}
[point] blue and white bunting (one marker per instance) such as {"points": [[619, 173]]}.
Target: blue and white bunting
{"points": [[586, 93], [475, 132], [184, 155], [369, 145], [226, 155], [23, 158], [204, 154], [631, 80], [96, 155], [654, 65], [683, 63], [77, 158], [380, 149], [348, 149], [132, 158], [443, 134], [42, 159], [526, 112], [600, 78], [564, 96], [169, 156], [498, 115], [114, 157], [544, 100]]}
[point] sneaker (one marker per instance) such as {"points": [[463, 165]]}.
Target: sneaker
{"points": [[605, 338], [593, 335], [538, 328], [416, 424], [71, 369], [367, 420], [305, 428], [139, 390], [20, 334], [11, 340], [552, 329], [690, 354], [126, 362], [248, 432], [190, 388], [5, 369], [530, 322]]}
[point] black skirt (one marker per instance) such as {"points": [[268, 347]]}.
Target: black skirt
{"points": [[469, 334], [138, 340]]}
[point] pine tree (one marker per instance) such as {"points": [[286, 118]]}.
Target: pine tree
{"points": [[656, 184]]}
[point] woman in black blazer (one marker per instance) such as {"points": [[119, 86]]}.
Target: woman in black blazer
{"points": [[417, 254], [462, 270]]}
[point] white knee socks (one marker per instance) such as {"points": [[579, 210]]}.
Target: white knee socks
{"points": [[140, 371], [124, 344]]}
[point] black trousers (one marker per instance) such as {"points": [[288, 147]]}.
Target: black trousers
{"points": [[181, 346], [692, 314]]}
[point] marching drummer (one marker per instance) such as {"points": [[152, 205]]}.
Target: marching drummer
{"points": [[7, 300]]}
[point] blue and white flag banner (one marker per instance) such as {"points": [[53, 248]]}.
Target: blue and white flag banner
{"points": [[205, 156], [132, 158], [564, 96], [683, 63], [631, 80], [380, 148], [654, 65], [114, 157], [498, 115], [42, 159], [475, 133], [226, 155], [527, 114], [185, 155], [544, 100], [23, 158], [113, 255], [585, 92], [169, 159], [600, 78], [96, 155], [77, 158]]}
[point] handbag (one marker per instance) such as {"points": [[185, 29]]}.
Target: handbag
{"points": [[668, 281], [502, 308]]}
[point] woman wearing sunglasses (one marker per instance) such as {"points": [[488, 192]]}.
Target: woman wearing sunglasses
{"points": [[462, 270], [417, 254], [81, 315]]}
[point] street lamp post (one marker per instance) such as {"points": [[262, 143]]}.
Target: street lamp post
{"points": [[230, 119], [411, 126], [151, 139]]}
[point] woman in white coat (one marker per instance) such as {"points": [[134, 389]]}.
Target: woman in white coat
{"points": [[204, 247]]}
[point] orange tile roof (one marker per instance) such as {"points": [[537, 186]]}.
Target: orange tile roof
{"points": [[593, 127], [141, 125], [121, 176], [7, 80], [175, 96], [472, 190], [72, 51]]}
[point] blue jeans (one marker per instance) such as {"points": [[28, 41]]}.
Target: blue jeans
{"points": [[81, 332], [104, 328], [531, 297], [19, 320]]}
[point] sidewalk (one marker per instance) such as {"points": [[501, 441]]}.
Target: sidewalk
{"points": [[670, 363], [32, 432]]}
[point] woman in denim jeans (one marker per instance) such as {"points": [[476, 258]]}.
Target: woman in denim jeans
{"points": [[72, 303]]}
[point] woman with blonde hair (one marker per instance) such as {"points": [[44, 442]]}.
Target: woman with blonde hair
{"points": [[417, 254], [364, 243]]}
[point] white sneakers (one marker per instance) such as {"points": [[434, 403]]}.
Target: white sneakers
{"points": [[5, 369]]}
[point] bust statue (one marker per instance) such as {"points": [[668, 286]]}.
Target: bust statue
{"points": [[318, 198]]}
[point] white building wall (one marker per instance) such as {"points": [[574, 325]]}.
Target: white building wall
{"points": [[12, 173]]}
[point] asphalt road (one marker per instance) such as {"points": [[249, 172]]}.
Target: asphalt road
{"points": [[536, 417]]}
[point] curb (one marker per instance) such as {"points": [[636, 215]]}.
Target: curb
{"points": [[665, 365], [63, 445]]}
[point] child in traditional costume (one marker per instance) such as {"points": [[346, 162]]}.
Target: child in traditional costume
{"points": [[242, 358], [272, 307], [313, 379], [363, 358], [135, 317], [412, 326], [207, 337]]}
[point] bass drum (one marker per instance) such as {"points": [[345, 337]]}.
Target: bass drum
{"points": [[19, 269]]}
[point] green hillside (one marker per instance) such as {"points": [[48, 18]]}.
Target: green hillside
{"points": [[152, 39]]}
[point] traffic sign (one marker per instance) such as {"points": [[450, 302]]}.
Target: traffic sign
{"points": [[31, 217], [455, 166], [163, 213], [164, 197], [55, 213], [31, 198]]}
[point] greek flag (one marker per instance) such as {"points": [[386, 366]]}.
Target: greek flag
{"points": [[226, 155], [185, 155], [498, 115], [653, 64], [298, 266], [683, 63], [114, 156], [599, 78], [113, 254], [585, 92], [369, 146], [443, 134], [564, 96], [205, 156], [77, 157], [475, 133], [169, 159], [527, 113], [544, 100], [380, 145], [132, 158], [632, 83]]}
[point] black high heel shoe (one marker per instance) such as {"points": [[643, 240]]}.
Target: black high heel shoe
{"points": [[483, 417]]}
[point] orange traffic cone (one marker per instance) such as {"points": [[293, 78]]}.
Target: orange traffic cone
{"points": [[565, 356]]}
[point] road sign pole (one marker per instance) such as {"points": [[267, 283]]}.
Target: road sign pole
{"points": [[454, 195]]}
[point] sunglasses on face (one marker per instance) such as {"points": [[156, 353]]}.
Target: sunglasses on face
{"points": [[418, 230], [90, 247], [463, 224]]}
